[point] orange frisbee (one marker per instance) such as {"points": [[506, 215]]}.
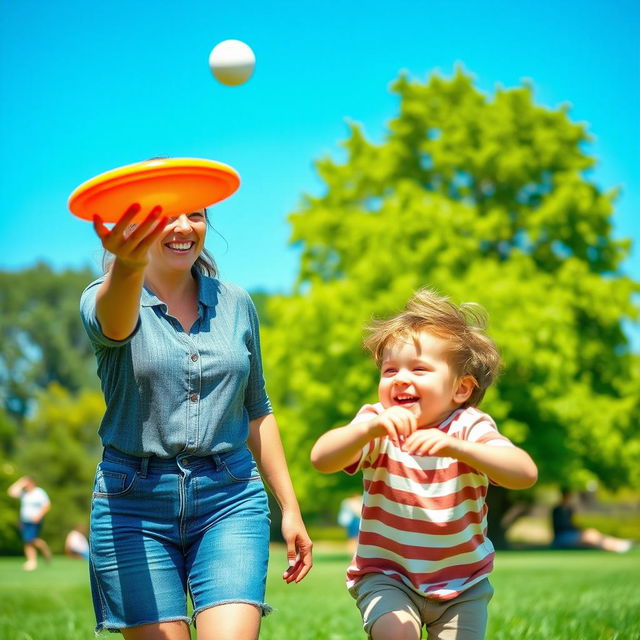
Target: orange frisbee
{"points": [[178, 185]]}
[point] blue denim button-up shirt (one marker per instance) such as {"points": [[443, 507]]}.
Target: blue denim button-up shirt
{"points": [[169, 392]]}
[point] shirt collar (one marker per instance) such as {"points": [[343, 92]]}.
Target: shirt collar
{"points": [[207, 292]]}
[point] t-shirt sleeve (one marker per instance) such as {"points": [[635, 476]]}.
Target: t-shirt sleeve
{"points": [[256, 400], [479, 427], [371, 450], [92, 324]]}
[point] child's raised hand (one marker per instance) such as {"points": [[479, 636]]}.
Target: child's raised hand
{"points": [[431, 442], [396, 422]]}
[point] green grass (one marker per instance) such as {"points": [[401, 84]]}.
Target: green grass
{"points": [[580, 595]]}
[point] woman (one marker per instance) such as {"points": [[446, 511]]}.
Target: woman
{"points": [[178, 503]]}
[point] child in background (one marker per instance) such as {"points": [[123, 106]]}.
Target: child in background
{"points": [[34, 506], [349, 518], [427, 455]]}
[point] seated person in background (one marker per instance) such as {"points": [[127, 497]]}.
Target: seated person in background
{"points": [[567, 535], [76, 544]]}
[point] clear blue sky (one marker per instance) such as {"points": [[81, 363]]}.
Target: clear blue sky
{"points": [[89, 86]]}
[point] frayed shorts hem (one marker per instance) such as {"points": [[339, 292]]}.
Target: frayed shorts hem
{"points": [[264, 608], [117, 628]]}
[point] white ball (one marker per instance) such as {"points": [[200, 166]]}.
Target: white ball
{"points": [[232, 62]]}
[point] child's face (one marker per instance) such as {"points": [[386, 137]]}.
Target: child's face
{"points": [[419, 377]]}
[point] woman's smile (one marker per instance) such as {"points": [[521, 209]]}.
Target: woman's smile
{"points": [[180, 247]]}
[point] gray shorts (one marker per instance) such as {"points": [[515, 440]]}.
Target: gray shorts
{"points": [[461, 618]]}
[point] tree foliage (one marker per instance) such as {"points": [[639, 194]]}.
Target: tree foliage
{"points": [[60, 448], [41, 336], [485, 198]]}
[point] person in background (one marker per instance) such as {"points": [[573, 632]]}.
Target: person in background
{"points": [[34, 505], [76, 544], [349, 519], [567, 535]]}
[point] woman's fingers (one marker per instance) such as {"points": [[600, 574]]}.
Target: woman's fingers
{"points": [[299, 554], [143, 236], [302, 563], [99, 228], [140, 231], [306, 562], [125, 221], [131, 244], [104, 233]]}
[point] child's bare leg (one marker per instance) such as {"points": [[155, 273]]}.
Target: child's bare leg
{"points": [[32, 557], [398, 625], [463, 617], [43, 548], [594, 538]]}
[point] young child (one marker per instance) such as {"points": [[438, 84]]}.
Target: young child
{"points": [[427, 455]]}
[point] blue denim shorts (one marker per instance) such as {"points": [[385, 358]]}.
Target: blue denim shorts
{"points": [[29, 531], [567, 539], [162, 528]]}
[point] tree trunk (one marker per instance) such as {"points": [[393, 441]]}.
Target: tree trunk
{"points": [[499, 502], [276, 519]]}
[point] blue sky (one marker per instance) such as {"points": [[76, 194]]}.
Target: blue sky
{"points": [[86, 87]]}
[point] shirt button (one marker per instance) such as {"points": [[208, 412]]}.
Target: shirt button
{"points": [[193, 397], [194, 357]]}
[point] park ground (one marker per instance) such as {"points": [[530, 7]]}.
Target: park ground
{"points": [[541, 594]]}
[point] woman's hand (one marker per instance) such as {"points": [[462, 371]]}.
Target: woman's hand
{"points": [[130, 245], [299, 547]]}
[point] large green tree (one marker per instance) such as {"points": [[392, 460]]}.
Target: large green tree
{"points": [[41, 336], [485, 198]]}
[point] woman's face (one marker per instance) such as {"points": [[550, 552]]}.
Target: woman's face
{"points": [[182, 241]]}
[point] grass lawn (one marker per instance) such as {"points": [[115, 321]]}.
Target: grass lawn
{"points": [[580, 595]]}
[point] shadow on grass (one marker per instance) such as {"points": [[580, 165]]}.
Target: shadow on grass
{"points": [[524, 546]]}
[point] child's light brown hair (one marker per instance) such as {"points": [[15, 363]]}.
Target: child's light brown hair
{"points": [[472, 352]]}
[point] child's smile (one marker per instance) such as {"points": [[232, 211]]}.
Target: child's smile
{"points": [[405, 400]]}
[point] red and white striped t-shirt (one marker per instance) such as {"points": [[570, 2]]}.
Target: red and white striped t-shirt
{"points": [[424, 518]]}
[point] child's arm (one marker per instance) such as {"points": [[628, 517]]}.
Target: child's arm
{"points": [[43, 512], [16, 488], [510, 467], [341, 447]]}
